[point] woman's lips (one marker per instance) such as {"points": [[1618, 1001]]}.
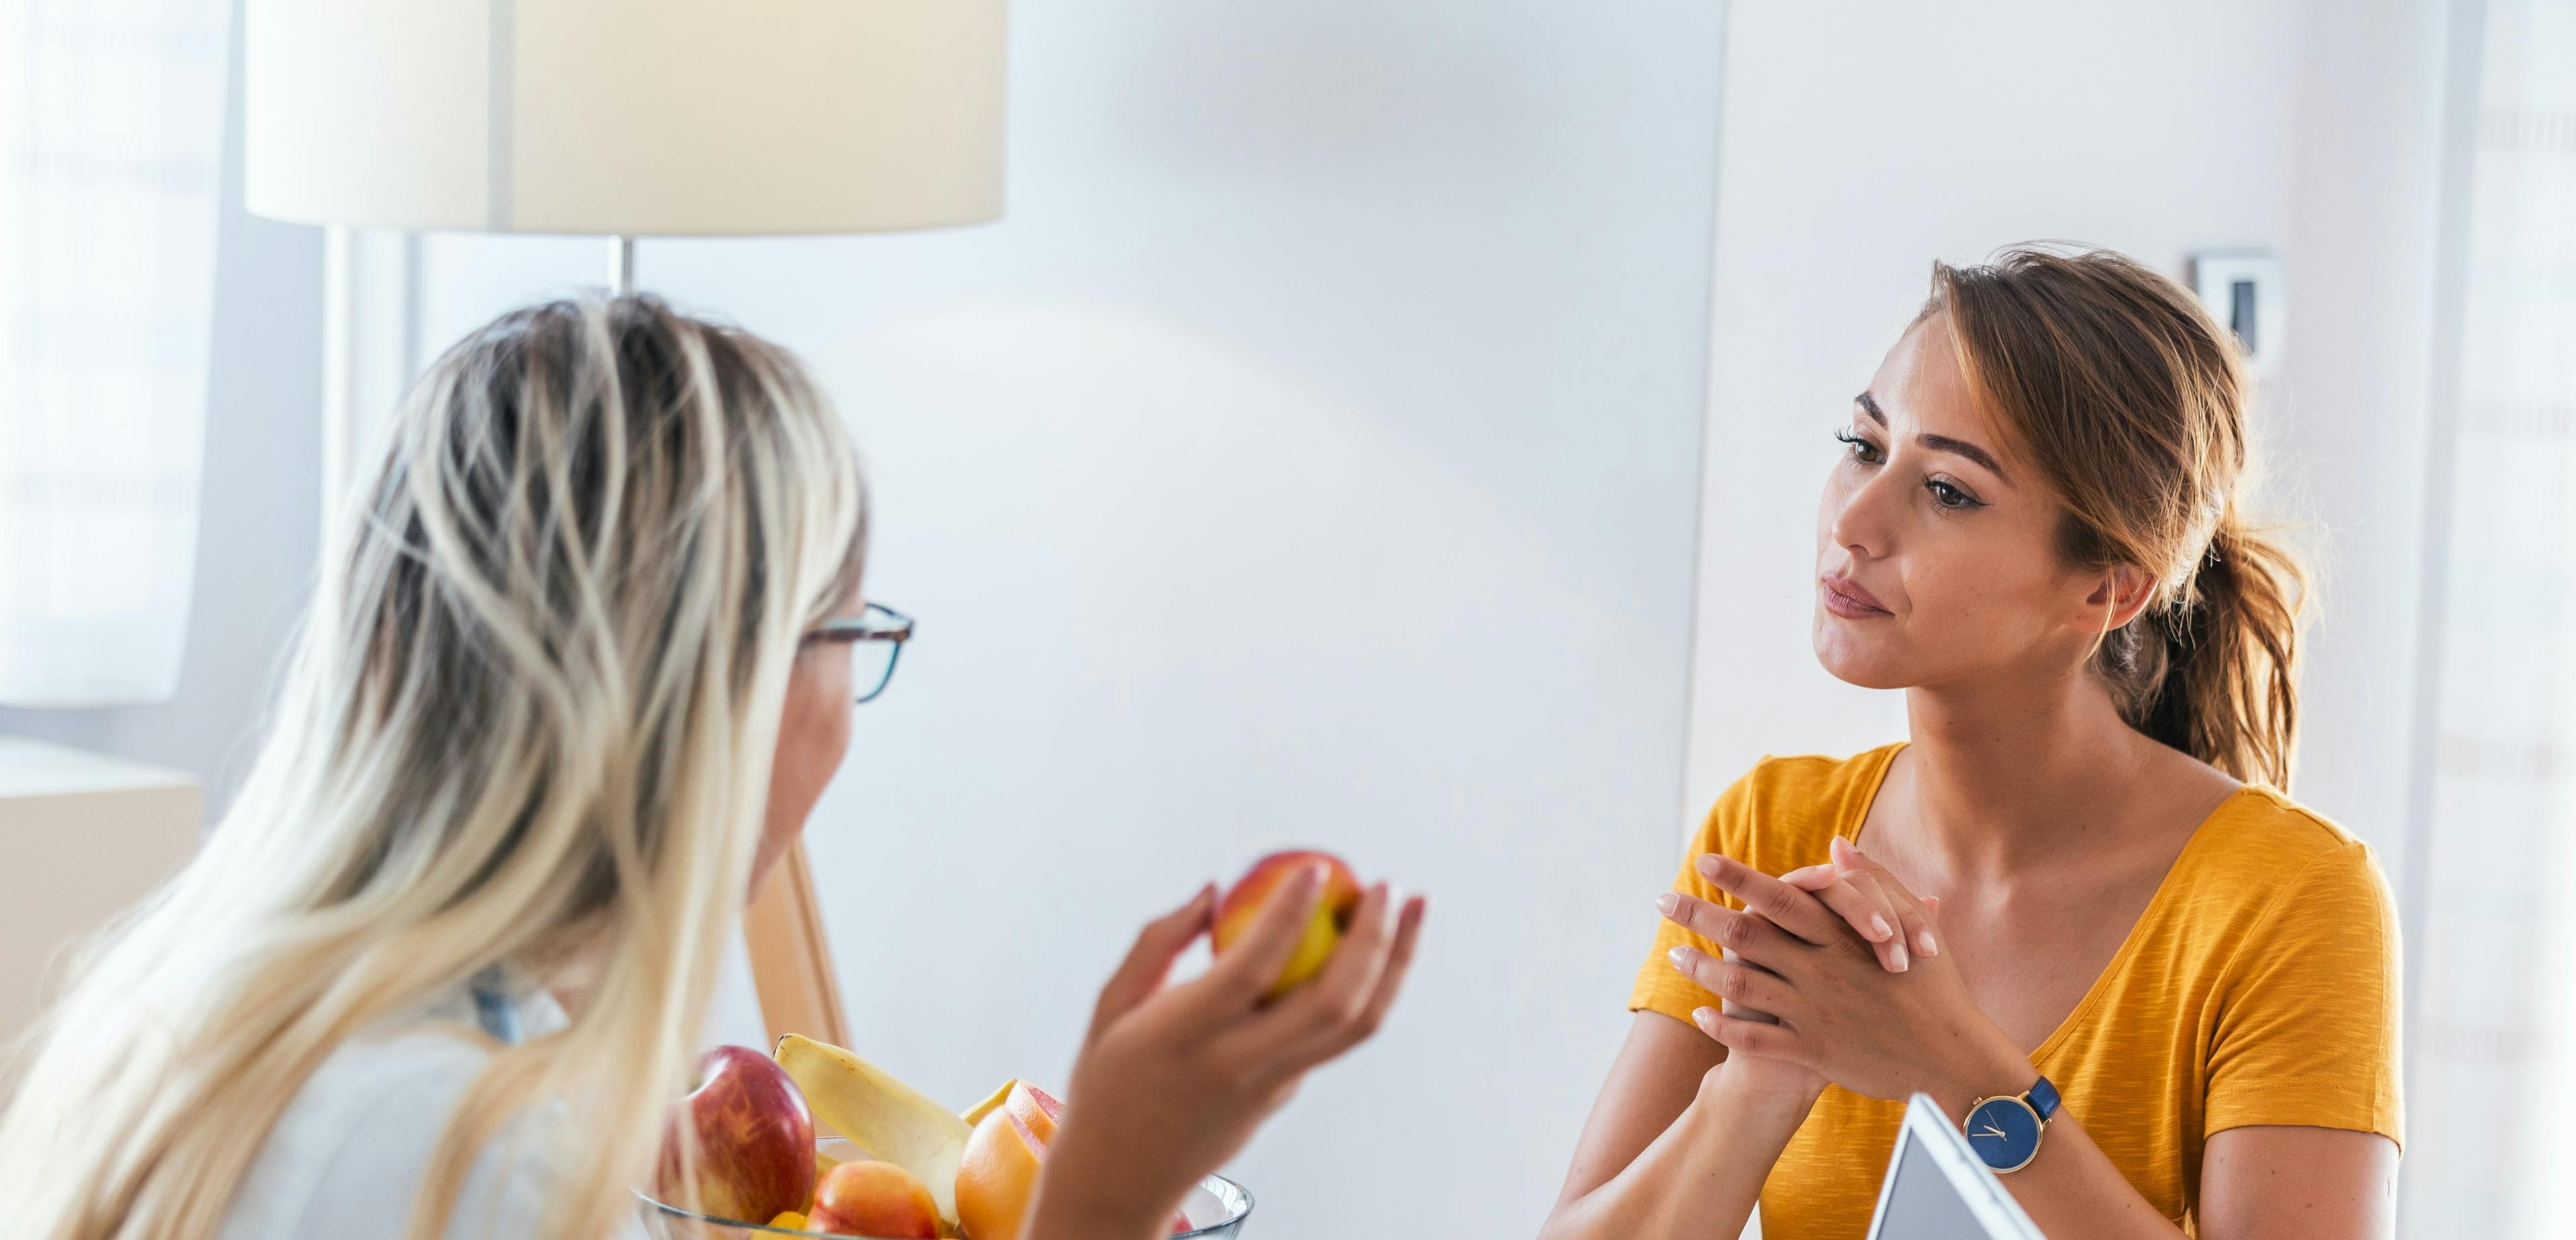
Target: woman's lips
{"points": [[1844, 597]]}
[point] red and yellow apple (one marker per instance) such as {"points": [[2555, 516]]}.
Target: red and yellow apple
{"points": [[1243, 903], [875, 1199], [755, 1139]]}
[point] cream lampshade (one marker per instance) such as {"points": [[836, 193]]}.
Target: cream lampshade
{"points": [[618, 117], [625, 117]]}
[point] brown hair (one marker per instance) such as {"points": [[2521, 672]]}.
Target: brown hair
{"points": [[2116, 384]]}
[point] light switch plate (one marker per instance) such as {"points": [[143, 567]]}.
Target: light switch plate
{"points": [[2244, 291]]}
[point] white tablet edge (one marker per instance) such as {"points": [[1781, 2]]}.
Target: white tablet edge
{"points": [[1976, 1184]]}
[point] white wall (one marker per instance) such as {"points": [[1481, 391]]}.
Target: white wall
{"points": [[1308, 458], [1862, 141]]}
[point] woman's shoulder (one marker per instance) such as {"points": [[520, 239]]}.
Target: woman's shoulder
{"points": [[2264, 865], [354, 1143], [348, 1155], [1785, 811], [2260, 837]]}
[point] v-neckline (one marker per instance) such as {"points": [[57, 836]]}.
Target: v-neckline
{"points": [[2129, 943]]}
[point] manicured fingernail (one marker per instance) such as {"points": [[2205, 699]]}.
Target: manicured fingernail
{"points": [[1923, 939], [1878, 928], [1838, 847], [1681, 957], [1666, 903], [1708, 865], [1902, 964], [1705, 1018]]}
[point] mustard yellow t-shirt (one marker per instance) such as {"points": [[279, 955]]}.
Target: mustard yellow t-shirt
{"points": [[2259, 987]]}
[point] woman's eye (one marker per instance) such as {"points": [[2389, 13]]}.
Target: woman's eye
{"points": [[1949, 496], [1860, 449]]}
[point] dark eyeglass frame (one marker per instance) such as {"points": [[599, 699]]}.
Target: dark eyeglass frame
{"points": [[877, 623]]}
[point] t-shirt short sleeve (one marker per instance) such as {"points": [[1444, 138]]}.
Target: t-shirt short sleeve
{"points": [[1660, 987], [2306, 1031]]}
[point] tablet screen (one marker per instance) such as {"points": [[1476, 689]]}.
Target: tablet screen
{"points": [[1921, 1202]]}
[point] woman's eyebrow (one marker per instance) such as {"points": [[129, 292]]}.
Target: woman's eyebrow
{"points": [[1961, 447], [1938, 443]]}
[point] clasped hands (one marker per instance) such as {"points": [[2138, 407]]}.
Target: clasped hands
{"points": [[1835, 973]]}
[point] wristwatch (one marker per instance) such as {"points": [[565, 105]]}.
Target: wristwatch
{"points": [[2005, 1130]]}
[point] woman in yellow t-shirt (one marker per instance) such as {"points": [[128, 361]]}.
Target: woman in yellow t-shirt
{"points": [[2160, 996]]}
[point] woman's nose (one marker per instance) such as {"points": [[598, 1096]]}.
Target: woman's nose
{"points": [[1863, 523]]}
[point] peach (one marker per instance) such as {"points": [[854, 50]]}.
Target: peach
{"points": [[874, 1199], [1243, 903]]}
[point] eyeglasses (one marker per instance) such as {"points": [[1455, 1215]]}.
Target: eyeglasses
{"points": [[875, 639]]}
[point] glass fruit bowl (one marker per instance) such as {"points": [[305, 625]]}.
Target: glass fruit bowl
{"points": [[1215, 1209]]}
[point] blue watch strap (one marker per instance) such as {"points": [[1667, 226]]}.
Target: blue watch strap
{"points": [[2043, 1099]]}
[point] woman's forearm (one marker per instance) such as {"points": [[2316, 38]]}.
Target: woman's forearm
{"points": [[1701, 1177], [2072, 1188]]}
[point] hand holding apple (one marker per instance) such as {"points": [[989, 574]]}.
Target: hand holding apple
{"points": [[755, 1139], [1172, 1080], [1322, 930]]}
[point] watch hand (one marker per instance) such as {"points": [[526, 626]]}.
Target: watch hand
{"points": [[1990, 1132]]}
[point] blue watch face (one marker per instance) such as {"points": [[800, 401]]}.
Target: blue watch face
{"points": [[2004, 1132]]}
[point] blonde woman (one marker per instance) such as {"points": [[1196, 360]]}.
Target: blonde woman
{"points": [[570, 689]]}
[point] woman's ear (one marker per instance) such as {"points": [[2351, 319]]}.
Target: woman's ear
{"points": [[2122, 592]]}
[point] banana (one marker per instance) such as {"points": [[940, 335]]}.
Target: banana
{"points": [[887, 1118], [975, 1114]]}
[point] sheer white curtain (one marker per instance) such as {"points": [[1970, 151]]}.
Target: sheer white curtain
{"points": [[2490, 1151], [111, 117]]}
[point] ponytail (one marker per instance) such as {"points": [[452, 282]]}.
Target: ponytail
{"points": [[2215, 674]]}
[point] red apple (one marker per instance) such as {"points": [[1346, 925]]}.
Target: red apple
{"points": [[875, 1199], [755, 1139], [1243, 903]]}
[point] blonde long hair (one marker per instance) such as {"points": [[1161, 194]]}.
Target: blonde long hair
{"points": [[532, 713]]}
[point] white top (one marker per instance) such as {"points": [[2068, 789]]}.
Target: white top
{"points": [[347, 1158]]}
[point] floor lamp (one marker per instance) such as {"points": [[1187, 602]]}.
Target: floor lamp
{"points": [[618, 119]]}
